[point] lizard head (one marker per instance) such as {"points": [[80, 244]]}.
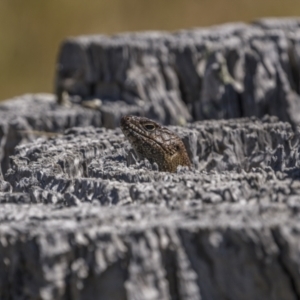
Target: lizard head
{"points": [[155, 142]]}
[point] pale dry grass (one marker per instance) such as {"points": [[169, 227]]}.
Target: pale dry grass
{"points": [[31, 30]]}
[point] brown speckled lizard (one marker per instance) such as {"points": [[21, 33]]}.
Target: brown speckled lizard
{"points": [[156, 143]]}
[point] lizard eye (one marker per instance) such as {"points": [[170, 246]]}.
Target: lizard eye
{"points": [[149, 127]]}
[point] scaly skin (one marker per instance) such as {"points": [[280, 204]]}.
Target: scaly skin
{"points": [[156, 143]]}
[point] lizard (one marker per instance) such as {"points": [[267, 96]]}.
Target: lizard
{"points": [[155, 142]]}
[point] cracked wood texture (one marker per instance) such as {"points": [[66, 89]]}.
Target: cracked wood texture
{"points": [[80, 218], [228, 71]]}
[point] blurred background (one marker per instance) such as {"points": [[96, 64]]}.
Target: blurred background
{"points": [[31, 30]]}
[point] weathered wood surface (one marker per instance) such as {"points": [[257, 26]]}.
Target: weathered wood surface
{"points": [[85, 220], [80, 218], [228, 71]]}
